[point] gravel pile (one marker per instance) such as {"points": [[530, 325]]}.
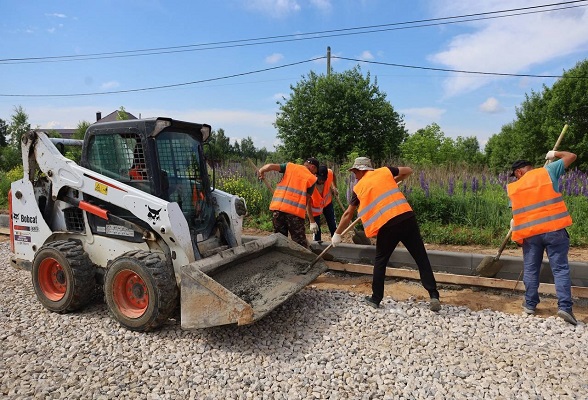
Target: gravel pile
{"points": [[320, 344]]}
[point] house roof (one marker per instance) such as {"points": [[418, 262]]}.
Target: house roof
{"points": [[68, 133]]}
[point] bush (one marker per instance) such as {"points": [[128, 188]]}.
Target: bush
{"points": [[5, 181]]}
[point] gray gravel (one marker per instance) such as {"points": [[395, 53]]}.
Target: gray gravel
{"points": [[320, 344]]}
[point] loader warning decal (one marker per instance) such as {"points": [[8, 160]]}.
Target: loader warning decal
{"points": [[153, 215], [101, 188]]}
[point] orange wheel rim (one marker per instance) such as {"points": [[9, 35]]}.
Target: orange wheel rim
{"points": [[52, 279], [130, 294]]}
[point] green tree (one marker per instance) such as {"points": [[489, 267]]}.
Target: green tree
{"points": [[467, 150], [121, 114], [10, 155], [3, 133], [540, 119], [220, 145], [428, 146], [248, 150], [332, 115], [75, 152]]}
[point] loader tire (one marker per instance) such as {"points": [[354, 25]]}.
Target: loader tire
{"points": [[63, 276], [140, 290]]}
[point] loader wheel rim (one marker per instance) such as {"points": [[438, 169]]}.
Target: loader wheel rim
{"points": [[130, 294], [52, 280]]}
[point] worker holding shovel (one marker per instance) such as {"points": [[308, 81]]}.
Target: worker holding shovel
{"points": [[540, 217], [386, 214]]}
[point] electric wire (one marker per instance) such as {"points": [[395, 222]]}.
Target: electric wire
{"points": [[303, 36]]}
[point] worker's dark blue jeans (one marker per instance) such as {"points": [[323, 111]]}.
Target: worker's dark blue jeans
{"points": [[329, 213], [557, 245], [407, 232]]}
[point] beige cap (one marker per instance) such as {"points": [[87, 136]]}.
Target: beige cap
{"points": [[362, 164]]}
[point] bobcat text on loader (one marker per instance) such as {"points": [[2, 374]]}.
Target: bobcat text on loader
{"points": [[140, 218]]}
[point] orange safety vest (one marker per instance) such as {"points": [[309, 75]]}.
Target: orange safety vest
{"points": [[290, 194], [321, 200], [536, 207], [138, 174], [380, 200]]}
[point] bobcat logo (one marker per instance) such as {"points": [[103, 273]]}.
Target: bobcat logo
{"points": [[15, 216], [153, 215]]}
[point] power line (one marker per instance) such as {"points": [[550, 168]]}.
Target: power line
{"points": [[285, 66], [459, 70], [164, 86], [305, 36]]}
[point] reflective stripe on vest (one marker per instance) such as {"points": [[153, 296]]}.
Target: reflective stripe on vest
{"points": [[380, 200], [290, 194], [536, 207], [321, 200]]}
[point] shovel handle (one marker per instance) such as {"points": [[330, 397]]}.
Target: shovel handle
{"points": [[351, 225], [257, 173], [559, 139], [503, 245]]}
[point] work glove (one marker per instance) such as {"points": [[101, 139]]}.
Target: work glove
{"points": [[336, 239], [550, 155], [314, 227]]}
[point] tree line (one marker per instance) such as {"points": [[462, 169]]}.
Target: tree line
{"points": [[337, 116]]}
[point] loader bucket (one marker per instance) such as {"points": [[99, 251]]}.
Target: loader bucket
{"points": [[242, 284]]}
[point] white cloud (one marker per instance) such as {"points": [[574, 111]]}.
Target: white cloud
{"points": [[109, 85], [273, 8], [507, 45], [56, 15], [366, 55], [236, 123], [51, 30], [274, 58], [491, 106], [323, 5], [418, 118]]}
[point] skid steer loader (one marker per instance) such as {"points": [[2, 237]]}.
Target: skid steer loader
{"points": [[140, 217]]}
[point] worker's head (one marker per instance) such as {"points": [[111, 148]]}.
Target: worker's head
{"points": [[520, 168], [361, 166], [312, 164], [322, 174]]}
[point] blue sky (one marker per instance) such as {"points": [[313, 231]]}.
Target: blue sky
{"points": [[462, 104]]}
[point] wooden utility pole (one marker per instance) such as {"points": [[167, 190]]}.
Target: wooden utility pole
{"points": [[328, 60]]}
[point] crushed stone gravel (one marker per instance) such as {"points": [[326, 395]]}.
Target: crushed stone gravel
{"points": [[318, 345]]}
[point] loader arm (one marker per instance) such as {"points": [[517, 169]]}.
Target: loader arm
{"points": [[163, 217]]}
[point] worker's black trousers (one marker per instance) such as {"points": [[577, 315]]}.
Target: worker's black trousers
{"points": [[407, 232]]}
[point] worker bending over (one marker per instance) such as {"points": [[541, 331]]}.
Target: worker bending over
{"points": [[386, 214]]}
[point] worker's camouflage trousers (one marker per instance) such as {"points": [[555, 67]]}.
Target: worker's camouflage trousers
{"points": [[285, 223]]}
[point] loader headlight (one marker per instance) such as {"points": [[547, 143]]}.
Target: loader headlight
{"points": [[240, 206]]}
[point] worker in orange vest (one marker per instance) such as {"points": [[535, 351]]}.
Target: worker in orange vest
{"points": [[322, 200], [386, 214], [291, 201], [539, 222]]}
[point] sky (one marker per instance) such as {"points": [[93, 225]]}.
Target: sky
{"points": [[228, 63]]}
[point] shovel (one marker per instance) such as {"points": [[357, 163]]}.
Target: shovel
{"points": [[267, 184], [490, 266], [351, 225]]}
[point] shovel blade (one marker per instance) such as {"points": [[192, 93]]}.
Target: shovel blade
{"points": [[489, 267]]}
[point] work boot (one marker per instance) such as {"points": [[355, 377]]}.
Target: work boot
{"points": [[567, 316], [371, 302], [434, 304], [528, 310]]}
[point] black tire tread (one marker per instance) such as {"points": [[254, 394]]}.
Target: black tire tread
{"points": [[165, 285], [83, 272]]}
